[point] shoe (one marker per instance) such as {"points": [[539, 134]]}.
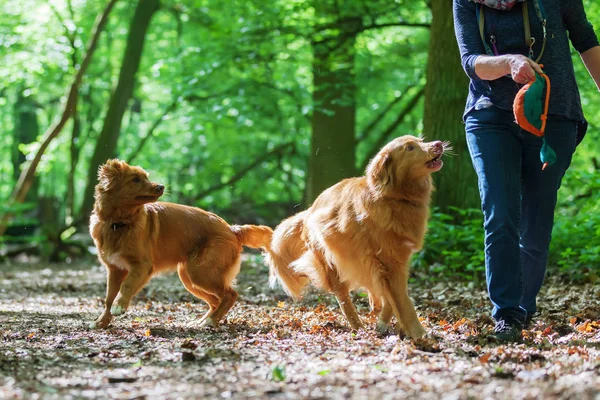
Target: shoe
{"points": [[508, 330], [529, 322]]}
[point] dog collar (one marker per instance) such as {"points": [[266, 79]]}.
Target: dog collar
{"points": [[117, 225]]}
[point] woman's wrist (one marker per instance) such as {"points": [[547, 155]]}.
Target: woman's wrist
{"points": [[490, 68]]}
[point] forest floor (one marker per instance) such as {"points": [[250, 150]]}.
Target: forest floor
{"points": [[271, 347]]}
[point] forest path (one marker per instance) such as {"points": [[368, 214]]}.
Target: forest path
{"points": [[272, 347]]}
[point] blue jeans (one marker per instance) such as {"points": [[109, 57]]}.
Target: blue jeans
{"points": [[518, 201]]}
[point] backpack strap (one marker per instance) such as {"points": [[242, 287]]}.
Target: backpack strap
{"points": [[529, 40]]}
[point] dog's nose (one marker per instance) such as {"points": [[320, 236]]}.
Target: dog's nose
{"points": [[437, 146], [160, 189]]}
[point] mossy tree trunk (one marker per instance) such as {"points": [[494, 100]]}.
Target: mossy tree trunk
{"points": [[445, 97]]}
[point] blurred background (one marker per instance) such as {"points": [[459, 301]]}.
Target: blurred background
{"points": [[248, 109]]}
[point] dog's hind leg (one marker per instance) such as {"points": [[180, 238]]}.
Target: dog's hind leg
{"points": [[227, 301], [115, 276], [212, 271], [375, 303], [385, 316], [210, 299]]}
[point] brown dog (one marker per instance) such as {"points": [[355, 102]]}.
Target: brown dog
{"points": [[138, 237], [362, 232]]}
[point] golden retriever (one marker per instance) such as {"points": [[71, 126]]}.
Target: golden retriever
{"points": [[138, 237], [362, 232]]}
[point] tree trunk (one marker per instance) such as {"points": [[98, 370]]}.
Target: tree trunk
{"points": [[333, 139], [107, 141], [74, 151], [26, 130], [445, 97]]}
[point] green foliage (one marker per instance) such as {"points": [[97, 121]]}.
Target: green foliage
{"points": [[221, 112], [576, 236], [453, 245], [454, 242]]}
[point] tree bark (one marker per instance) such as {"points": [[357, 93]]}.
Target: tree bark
{"points": [[27, 176], [74, 151], [107, 141], [333, 139], [445, 97], [26, 130]]}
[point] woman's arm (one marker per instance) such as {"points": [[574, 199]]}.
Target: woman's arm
{"points": [[475, 62], [583, 37], [467, 35], [518, 66], [591, 59]]}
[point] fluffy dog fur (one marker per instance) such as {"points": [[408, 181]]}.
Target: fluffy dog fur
{"points": [[138, 237], [362, 232]]}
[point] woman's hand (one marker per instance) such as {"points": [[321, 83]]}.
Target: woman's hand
{"points": [[522, 69]]}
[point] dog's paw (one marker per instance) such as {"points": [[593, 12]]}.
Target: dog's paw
{"points": [[381, 327], [102, 322], [417, 332], [208, 323], [117, 310], [97, 325]]}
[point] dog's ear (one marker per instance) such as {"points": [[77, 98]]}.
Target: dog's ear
{"points": [[110, 173], [379, 171]]}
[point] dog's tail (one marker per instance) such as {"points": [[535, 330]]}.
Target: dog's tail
{"points": [[281, 269], [287, 246], [255, 236]]}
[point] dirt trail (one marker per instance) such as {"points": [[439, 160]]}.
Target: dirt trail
{"points": [[271, 347]]}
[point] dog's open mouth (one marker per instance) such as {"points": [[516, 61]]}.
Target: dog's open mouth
{"points": [[147, 198], [435, 163]]}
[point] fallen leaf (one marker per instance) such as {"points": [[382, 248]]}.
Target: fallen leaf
{"points": [[278, 373]]}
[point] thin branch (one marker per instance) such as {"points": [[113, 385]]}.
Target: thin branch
{"points": [[384, 136], [242, 172], [169, 109], [391, 24], [70, 35], [150, 132], [287, 92], [382, 114], [26, 178]]}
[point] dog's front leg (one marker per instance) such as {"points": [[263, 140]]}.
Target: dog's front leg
{"points": [[139, 275], [114, 277], [396, 293]]}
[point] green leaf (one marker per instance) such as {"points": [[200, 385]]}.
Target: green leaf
{"points": [[278, 373]]}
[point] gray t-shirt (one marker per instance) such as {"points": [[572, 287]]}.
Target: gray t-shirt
{"points": [[566, 20]]}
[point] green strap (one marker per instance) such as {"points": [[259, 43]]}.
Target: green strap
{"points": [[481, 19], [529, 40]]}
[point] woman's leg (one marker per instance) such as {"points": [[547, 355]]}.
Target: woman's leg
{"points": [[495, 148], [539, 191]]}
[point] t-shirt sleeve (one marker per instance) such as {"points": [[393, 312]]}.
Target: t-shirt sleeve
{"points": [[581, 31], [467, 34]]}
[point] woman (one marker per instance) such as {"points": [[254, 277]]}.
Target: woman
{"points": [[518, 197]]}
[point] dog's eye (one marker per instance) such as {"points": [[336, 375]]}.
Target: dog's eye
{"points": [[410, 147], [137, 179]]}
